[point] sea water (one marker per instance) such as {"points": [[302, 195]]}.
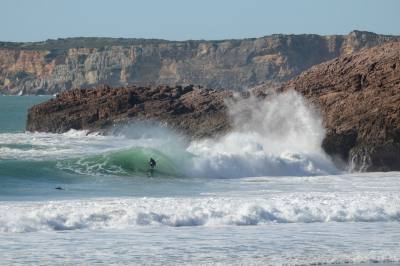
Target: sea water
{"points": [[264, 194]]}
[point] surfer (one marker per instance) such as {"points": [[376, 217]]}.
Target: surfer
{"points": [[152, 164]]}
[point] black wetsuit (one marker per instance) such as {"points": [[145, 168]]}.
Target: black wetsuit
{"points": [[152, 163]]}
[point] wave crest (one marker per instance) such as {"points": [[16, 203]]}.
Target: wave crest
{"points": [[124, 213]]}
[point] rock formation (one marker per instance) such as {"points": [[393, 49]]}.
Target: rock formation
{"points": [[57, 65], [195, 111], [359, 96]]}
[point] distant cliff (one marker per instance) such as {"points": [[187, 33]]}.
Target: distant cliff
{"points": [[56, 65]]}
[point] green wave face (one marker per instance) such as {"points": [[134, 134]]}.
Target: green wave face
{"points": [[122, 162]]}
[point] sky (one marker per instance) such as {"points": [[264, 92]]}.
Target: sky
{"points": [[38, 20]]}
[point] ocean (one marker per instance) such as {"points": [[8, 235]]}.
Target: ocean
{"points": [[264, 194]]}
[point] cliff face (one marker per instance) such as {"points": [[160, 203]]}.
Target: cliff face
{"points": [[359, 96], [53, 66]]}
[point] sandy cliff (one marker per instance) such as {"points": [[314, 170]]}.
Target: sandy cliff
{"points": [[56, 65]]}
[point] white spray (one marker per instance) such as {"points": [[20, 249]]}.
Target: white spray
{"points": [[278, 136]]}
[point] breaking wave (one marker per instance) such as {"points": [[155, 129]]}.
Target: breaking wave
{"points": [[227, 211], [281, 136], [122, 162]]}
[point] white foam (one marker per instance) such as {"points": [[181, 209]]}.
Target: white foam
{"points": [[71, 144], [45, 146], [278, 136], [226, 211]]}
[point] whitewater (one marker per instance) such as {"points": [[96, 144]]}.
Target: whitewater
{"points": [[263, 194]]}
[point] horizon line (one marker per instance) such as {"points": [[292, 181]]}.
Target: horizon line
{"points": [[188, 40]]}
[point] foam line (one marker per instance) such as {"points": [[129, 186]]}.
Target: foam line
{"points": [[227, 211]]}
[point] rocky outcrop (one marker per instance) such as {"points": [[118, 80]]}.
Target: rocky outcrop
{"points": [[195, 111], [57, 65], [359, 96]]}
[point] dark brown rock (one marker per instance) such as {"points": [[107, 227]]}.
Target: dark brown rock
{"points": [[359, 96], [194, 111]]}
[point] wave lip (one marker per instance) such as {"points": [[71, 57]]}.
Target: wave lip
{"points": [[123, 213]]}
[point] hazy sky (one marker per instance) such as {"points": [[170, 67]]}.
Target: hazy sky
{"points": [[35, 20]]}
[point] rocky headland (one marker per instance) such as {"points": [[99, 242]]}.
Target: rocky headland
{"points": [[191, 110], [57, 65], [358, 95]]}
